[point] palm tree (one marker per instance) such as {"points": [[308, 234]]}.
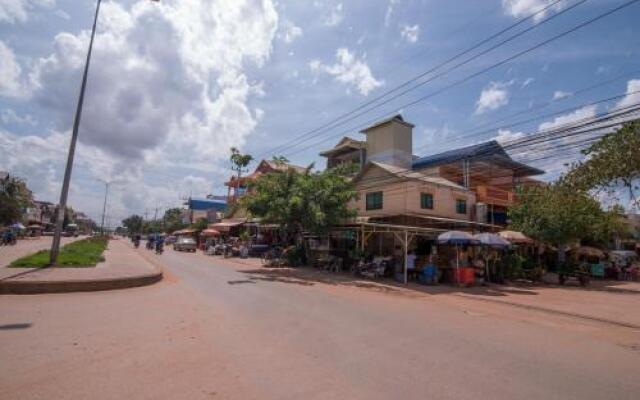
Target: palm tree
{"points": [[239, 161]]}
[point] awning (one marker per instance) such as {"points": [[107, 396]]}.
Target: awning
{"points": [[226, 225], [210, 232], [516, 237], [185, 232]]}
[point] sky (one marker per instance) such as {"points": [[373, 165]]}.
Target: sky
{"points": [[174, 84]]}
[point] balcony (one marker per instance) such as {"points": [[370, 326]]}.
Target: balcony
{"points": [[492, 195]]}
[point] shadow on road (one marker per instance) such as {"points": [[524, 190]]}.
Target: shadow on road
{"points": [[10, 327]]}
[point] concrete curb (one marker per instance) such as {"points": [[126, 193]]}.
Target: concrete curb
{"points": [[555, 312], [86, 285]]}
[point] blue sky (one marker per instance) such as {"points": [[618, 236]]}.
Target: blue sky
{"points": [[174, 85]]}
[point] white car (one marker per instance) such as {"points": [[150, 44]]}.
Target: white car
{"points": [[185, 244]]}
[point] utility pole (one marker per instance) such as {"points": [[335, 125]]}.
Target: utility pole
{"points": [[55, 245], [104, 205], [64, 193]]}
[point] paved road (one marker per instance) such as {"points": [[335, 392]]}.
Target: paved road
{"points": [[211, 331]]}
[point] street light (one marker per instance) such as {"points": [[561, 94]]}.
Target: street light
{"points": [[55, 245], [104, 206]]}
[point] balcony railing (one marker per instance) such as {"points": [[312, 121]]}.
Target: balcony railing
{"points": [[493, 195]]}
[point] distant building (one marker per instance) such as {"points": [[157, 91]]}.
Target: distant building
{"points": [[238, 187], [210, 209]]}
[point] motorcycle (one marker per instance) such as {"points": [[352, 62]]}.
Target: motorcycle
{"points": [[136, 243], [159, 248]]}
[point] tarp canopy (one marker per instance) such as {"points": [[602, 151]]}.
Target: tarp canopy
{"points": [[516, 237], [588, 251]]}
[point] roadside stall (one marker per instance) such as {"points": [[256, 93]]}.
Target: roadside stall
{"points": [[461, 271], [208, 238], [591, 256], [34, 230], [492, 244], [624, 265]]}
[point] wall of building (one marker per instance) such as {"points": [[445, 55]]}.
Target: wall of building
{"points": [[404, 197], [390, 143]]}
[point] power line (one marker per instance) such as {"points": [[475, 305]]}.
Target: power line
{"points": [[487, 69], [433, 69]]}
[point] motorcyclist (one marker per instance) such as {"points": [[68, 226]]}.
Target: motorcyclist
{"points": [[159, 244], [136, 241], [150, 244]]}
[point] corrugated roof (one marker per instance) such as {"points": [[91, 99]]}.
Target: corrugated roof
{"points": [[415, 175], [491, 151]]}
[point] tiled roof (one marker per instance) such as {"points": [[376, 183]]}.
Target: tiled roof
{"points": [[396, 118]]}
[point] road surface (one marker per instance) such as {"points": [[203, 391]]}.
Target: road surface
{"points": [[212, 331]]}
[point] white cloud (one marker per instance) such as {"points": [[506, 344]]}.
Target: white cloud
{"points": [[12, 11], [289, 32], [559, 94], [570, 118], [335, 15], [389, 12], [493, 97], [527, 82], [506, 136], [523, 8], [9, 116], [168, 105], [10, 73], [350, 70], [410, 33], [168, 91], [633, 94]]}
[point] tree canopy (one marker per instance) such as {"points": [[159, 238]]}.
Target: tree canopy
{"points": [[173, 220], [612, 163], [15, 198], [559, 215], [301, 202], [134, 223]]}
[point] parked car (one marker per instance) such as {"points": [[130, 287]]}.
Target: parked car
{"points": [[185, 244]]}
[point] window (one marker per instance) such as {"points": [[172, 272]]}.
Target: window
{"points": [[426, 201], [374, 201], [461, 206]]}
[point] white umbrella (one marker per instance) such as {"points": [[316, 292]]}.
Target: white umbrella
{"points": [[492, 240], [457, 238]]}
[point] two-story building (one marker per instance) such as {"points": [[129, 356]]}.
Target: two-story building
{"points": [[236, 188], [467, 188]]}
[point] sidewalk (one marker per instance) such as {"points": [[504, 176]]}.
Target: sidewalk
{"points": [[123, 268]]}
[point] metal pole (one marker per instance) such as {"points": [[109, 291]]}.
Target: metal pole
{"points": [[406, 253], [55, 245], [104, 206]]}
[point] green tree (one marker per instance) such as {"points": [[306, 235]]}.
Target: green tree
{"points": [[15, 198], [612, 163], [200, 224], [559, 215], [134, 223], [239, 161], [173, 220], [301, 202]]}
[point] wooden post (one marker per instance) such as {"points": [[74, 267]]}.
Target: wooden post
{"points": [[406, 251]]}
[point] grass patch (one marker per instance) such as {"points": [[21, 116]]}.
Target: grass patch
{"points": [[81, 253]]}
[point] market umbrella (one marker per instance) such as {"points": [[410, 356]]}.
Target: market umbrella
{"points": [[516, 237], [492, 240], [457, 238], [17, 226]]}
